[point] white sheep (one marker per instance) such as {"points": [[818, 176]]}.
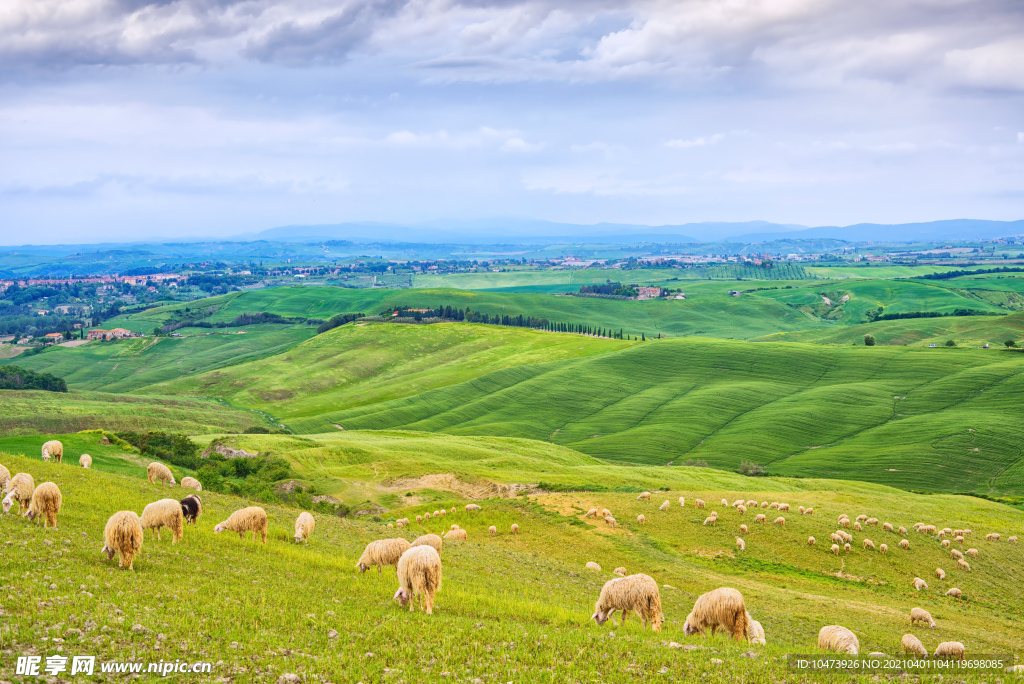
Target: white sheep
{"points": [[904, 543], [191, 483], [741, 509], [123, 535], [431, 540], [382, 552], [888, 528], [304, 525], [764, 504], [846, 547], [493, 531], [620, 571], [810, 541], [457, 535], [835, 549], [725, 502], [940, 573], [954, 592], [419, 574], [471, 508], [682, 502], [956, 553], [921, 615], [738, 502], [963, 565], [973, 553], [740, 544], [919, 584], [53, 449], [592, 513], [911, 644], [743, 529], [780, 521], [46, 500], [515, 528], [158, 471], [783, 507], [640, 519], [809, 511], [252, 519], [646, 496], [5, 476], [626, 594], [19, 489], [85, 460], [591, 565], [697, 503], [868, 544], [755, 632], [164, 513], [721, 608], [838, 639], [761, 518], [1012, 539], [664, 506], [951, 649]]}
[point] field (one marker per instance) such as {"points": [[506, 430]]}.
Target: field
{"points": [[510, 608]]}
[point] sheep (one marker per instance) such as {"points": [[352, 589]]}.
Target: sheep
{"points": [[646, 496], [836, 537], [431, 540], [620, 571], [835, 549], [158, 471], [942, 534], [382, 552], [698, 503], [945, 543], [611, 521], [457, 535], [755, 632], [725, 502], [951, 649], [856, 526], [682, 502], [714, 514], [800, 510], [454, 527], [884, 548], [19, 488], [845, 522], [846, 548], [191, 508], [591, 565], [453, 510], [810, 541], [846, 536], [783, 507], [955, 553], [191, 483], [664, 506], [605, 513], [442, 512], [963, 565], [809, 511], [391, 525], [5, 477], [419, 574], [973, 553], [764, 504], [515, 528], [919, 584], [85, 460], [741, 509], [1012, 540], [760, 518], [437, 513], [954, 592], [710, 520], [640, 519], [419, 518], [252, 519], [493, 531], [872, 521], [53, 449], [471, 508], [773, 504], [904, 544], [46, 500], [740, 544], [164, 513], [911, 644], [861, 518], [838, 639], [304, 525], [721, 608], [592, 513], [751, 504], [868, 544], [960, 539], [123, 536], [743, 529], [940, 573], [887, 527], [902, 531], [426, 516], [626, 594], [921, 615], [780, 521], [738, 502], [993, 536]]}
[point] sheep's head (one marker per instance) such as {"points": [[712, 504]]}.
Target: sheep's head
{"points": [[109, 551], [299, 538], [219, 528], [363, 567], [46, 457], [8, 501], [402, 596], [688, 627], [600, 616], [32, 514], [172, 480]]}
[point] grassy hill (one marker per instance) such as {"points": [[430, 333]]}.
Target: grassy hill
{"points": [[510, 608], [973, 331]]}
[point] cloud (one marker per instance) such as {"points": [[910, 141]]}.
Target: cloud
{"points": [[520, 145], [702, 141], [1020, 137]]}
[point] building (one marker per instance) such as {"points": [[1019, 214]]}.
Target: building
{"points": [[54, 337], [98, 334], [648, 292]]}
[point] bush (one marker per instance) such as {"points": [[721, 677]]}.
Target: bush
{"points": [[751, 469], [869, 340], [695, 463], [14, 377], [950, 343], [1010, 344]]}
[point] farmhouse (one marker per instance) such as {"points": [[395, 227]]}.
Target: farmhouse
{"points": [[648, 292], [54, 337]]}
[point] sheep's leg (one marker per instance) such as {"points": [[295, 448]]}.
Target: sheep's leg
{"points": [[378, 569], [622, 623], [158, 538]]}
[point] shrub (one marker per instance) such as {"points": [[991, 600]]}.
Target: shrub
{"points": [[695, 463], [1010, 344], [869, 340], [14, 377], [751, 469], [950, 343]]}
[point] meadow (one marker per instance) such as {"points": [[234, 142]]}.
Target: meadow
{"points": [[510, 608]]}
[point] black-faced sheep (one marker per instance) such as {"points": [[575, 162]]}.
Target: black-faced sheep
{"points": [[382, 552], [164, 513], [85, 460], [304, 525], [191, 508], [951, 649], [419, 574], [123, 536], [46, 500], [634, 593], [19, 489], [431, 540], [191, 483], [838, 639], [53, 449], [722, 609], [911, 644], [252, 519], [158, 471], [921, 615]]}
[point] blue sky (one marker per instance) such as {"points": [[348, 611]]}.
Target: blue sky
{"points": [[122, 119]]}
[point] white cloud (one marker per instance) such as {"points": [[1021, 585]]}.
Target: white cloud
{"points": [[520, 145], [701, 141], [1020, 137]]}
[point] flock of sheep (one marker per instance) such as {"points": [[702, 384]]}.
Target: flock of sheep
{"points": [[124, 531]]}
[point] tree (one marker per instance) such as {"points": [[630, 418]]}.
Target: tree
{"points": [[869, 340], [1010, 344], [950, 343]]}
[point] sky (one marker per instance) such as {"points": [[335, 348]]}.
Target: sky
{"points": [[129, 120]]}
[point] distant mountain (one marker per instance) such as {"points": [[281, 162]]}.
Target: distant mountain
{"points": [[954, 229]]}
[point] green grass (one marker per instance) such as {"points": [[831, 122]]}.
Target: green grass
{"points": [[511, 608], [973, 331], [31, 412]]}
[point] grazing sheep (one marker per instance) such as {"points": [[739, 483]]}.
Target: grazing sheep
{"points": [[646, 496], [472, 507], [737, 502], [940, 573], [856, 526], [419, 574], [920, 584], [304, 525], [904, 543], [861, 518], [698, 503], [453, 510], [682, 502], [884, 548], [431, 540], [158, 471], [760, 518], [846, 548], [951, 649], [836, 537], [751, 504], [809, 511], [846, 536], [714, 514], [845, 522], [945, 543], [743, 529], [592, 513], [783, 507], [85, 460], [1012, 540], [955, 553], [191, 483], [954, 592], [621, 572], [960, 539], [725, 502], [164, 513], [963, 565], [426, 516], [887, 527], [780, 521], [810, 541], [399, 524], [605, 513], [53, 449], [515, 528], [46, 500], [5, 477], [493, 531], [457, 535], [868, 544], [664, 506], [626, 594], [911, 644], [740, 544], [755, 632], [973, 553], [764, 504], [921, 615], [800, 510], [454, 527], [872, 521], [591, 565], [123, 536], [442, 512], [710, 520], [640, 519], [381, 552], [902, 530], [19, 488], [611, 521], [419, 518], [838, 639], [252, 519], [191, 508], [722, 609], [741, 509], [835, 549], [942, 534], [437, 513]]}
